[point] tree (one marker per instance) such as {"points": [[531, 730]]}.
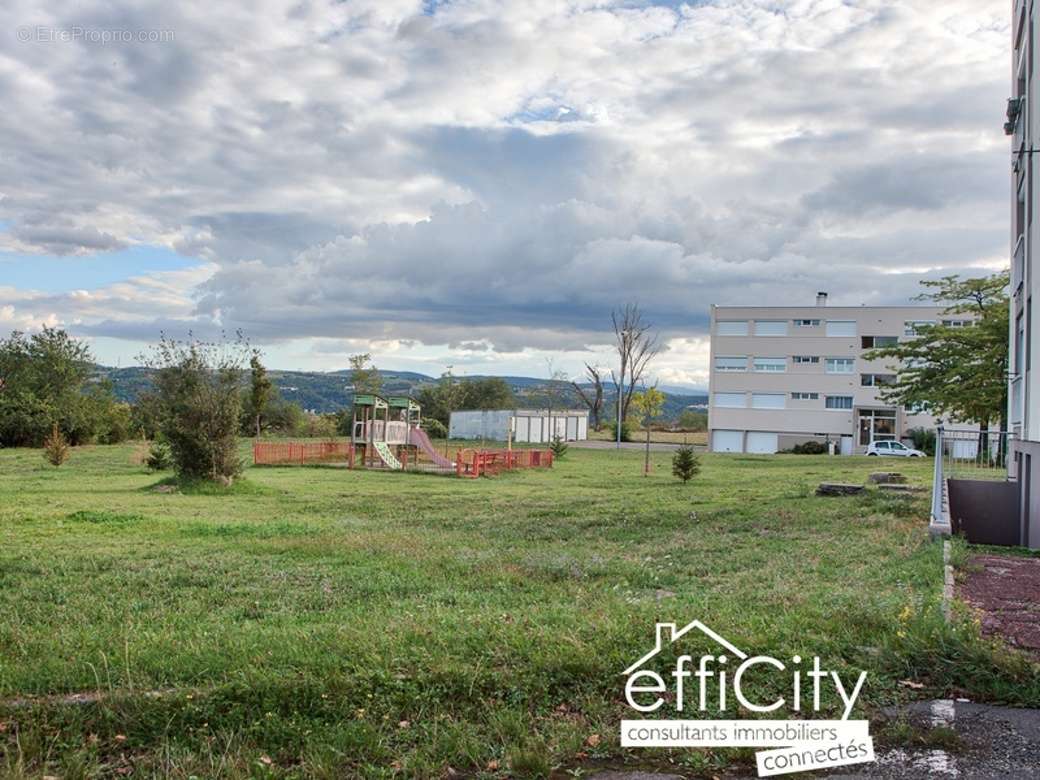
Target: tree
{"points": [[959, 372], [47, 380], [450, 394], [636, 346], [692, 420], [595, 402], [260, 389], [554, 392], [197, 384], [685, 464], [649, 405], [365, 377], [55, 447]]}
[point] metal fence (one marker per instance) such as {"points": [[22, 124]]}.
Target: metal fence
{"points": [[968, 454]]}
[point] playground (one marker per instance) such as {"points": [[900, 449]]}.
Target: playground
{"points": [[387, 433]]}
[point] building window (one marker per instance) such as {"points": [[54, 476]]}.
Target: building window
{"points": [[911, 328], [731, 364], [877, 380], [731, 400], [807, 323], [767, 400], [805, 396], [731, 328], [770, 327], [1020, 344], [841, 328], [957, 323], [772, 365], [838, 402], [806, 359], [870, 342], [840, 365]]}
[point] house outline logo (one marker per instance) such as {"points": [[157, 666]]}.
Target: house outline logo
{"points": [[662, 629]]}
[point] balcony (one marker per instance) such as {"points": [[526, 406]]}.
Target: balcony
{"points": [[1018, 264]]}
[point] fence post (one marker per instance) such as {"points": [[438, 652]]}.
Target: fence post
{"points": [[938, 478]]}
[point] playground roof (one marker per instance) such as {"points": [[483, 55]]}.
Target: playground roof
{"points": [[370, 400], [404, 402]]}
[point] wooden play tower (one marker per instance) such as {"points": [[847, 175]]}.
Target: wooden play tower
{"points": [[381, 433]]}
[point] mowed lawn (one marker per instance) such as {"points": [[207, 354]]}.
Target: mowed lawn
{"points": [[323, 622]]}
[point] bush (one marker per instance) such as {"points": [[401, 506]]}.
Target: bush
{"points": [[626, 430], [197, 385], [558, 446], [810, 448], [923, 439], [434, 428], [55, 447], [685, 463], [159, 458]]}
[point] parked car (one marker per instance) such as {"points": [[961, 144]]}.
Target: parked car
{"points": [[893, 448]]}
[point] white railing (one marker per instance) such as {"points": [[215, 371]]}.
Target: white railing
{"points": [[393, 432], [968, 454]]}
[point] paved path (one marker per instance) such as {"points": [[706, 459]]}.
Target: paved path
{"points": [[597, 444]]}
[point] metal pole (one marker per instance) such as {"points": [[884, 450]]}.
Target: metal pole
{"points": [[621, 385], [938, 478]]}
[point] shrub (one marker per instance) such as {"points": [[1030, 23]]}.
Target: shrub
{"points": [[55, 447], [685, 463], [197, 385], [558, 446], [626, 430], [923, 439], [158, 456], [810, 448], [434, 428]]}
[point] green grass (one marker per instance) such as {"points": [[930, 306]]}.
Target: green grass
{"points": [[321, 622]]}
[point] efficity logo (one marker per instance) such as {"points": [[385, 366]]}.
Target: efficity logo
{"points": [[717, 681]]}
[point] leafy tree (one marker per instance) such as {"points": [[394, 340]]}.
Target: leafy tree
{"points": [[959, 372], [197, 385], [685, 463], [649, 405], [450, 394], [260, 390], [55, 447], [365, 377], [46, 380], [146, 415]]}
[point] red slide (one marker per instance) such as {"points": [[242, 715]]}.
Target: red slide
{"points": [[418, 437]]}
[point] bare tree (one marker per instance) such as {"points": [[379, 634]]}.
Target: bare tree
{"points": [[636, 347], [595, 402]]}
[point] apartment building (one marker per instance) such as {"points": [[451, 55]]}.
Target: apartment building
{"points": [[1024, 391], [783, 375]]}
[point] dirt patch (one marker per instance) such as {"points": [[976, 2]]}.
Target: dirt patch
{"points": [[1005, 589]]}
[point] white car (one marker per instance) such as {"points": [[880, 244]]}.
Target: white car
{"points": [[893, 448]]}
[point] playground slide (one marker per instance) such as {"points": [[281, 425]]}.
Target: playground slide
{"points": [[418, 437], [387, 456]]}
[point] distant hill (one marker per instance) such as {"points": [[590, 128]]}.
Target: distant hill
{"points": [[331, 391]]}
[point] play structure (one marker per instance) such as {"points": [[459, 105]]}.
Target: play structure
{"points": [[386, 433]]}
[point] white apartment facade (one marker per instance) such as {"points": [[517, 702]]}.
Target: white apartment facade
{"points": [[1023, 126], [783, 375]]}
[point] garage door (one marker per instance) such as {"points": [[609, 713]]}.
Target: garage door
{"points": [[727, 441], [762, 442]]}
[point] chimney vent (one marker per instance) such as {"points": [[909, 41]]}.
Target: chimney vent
{"points": [[821, 299]]}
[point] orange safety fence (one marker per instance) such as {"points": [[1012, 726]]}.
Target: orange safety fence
{"points": [[272, 452], [476, 463]]}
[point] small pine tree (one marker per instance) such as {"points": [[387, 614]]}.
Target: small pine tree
{"points": [[685, 464], [159, 458], [558, 446], [56, 447]]}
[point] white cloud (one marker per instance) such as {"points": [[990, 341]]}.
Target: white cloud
{"points": [[494, 177]]}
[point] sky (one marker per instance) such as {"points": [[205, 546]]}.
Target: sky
{"points": [[478, 184]]}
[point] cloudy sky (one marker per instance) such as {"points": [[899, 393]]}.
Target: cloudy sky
{"points": [[478, 183]]}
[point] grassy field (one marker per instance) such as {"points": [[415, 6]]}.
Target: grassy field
{"points": [[318, 622]]}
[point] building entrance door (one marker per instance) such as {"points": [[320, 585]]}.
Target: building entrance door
{"points": [[876, 425]]}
